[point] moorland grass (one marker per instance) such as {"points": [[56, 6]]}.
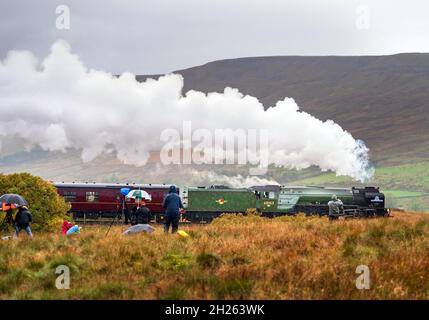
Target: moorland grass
{"points": [[234, 257]]}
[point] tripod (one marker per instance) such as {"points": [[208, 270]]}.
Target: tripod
{"points": [[6, 222], [119, 214]]}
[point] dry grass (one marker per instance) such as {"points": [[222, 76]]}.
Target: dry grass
{"points": [[232, 258]]}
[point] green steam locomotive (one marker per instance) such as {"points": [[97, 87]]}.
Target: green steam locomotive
{"points": [[203, 204]]}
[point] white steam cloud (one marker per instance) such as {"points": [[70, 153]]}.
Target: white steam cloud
{"points": [[238, 181], [59, 104]]}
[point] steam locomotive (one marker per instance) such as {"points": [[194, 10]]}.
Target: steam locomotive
{"points": [[95, 201], [204, 204]]}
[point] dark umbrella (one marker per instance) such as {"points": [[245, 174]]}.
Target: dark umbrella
{"points": [[14, 199]]}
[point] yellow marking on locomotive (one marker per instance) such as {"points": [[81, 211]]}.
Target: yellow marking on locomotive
{"points": [[268, 203], [221, 201]]}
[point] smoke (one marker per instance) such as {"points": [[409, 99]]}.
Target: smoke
{"points": [[207, 178], [59, 104]]}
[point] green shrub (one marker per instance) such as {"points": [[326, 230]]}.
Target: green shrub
{"points": [[176, 262], [46, 206]]}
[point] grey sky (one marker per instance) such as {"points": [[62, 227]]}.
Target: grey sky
{"points": [[149, 36]]}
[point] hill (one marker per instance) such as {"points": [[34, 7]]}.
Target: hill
{"points": [[383, 100]]}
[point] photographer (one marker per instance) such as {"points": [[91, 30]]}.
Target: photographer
{"points": [[335, 207], [22, 221], [142, 214]]}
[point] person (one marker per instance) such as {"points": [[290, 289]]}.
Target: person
{"points": [[335, 207], [9, 216], [182, 215], [66, 226], [23, 219], [143, 215], [133, 216], [126, 214], [172, 205], [73, 230]]}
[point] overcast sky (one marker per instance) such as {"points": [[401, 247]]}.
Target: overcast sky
{"points": [[159, 36]]}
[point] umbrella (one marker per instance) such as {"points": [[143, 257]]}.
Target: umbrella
{"points": [[139, 194], [6, 207], [13, 199], [139, 228]]}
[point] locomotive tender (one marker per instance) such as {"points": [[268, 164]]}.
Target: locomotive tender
{"points": [[203, 204]]}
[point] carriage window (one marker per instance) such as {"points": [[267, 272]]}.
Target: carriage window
{"points": [[92, 196], [69, 196], [271, 195]]}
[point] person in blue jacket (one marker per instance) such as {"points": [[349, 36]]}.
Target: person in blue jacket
{"points": [[172, 205]]}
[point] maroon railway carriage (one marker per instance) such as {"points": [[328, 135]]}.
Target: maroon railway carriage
{"points": [[103, 200]]}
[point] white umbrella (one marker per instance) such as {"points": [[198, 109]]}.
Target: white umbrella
{"points": [[139, 194]]}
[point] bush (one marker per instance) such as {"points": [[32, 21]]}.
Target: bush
{"points": [[46, 206], [176, 262]]}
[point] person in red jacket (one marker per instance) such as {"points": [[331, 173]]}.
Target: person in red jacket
{"points": [[66, 226]]}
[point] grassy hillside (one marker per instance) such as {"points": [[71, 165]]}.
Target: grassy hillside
{"points": [[412, 176], [234, 257]]}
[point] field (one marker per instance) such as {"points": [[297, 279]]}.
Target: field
{"points": [[234, 257]]}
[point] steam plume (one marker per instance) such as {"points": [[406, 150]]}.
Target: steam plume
{"points": [[59, 104]]}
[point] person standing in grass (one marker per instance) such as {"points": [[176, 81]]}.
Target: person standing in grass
{"points": [[172, 205], [23, 219], [335, 207]]}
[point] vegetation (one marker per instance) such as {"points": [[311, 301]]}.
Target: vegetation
{"points": [[47, 207], [403, 177], [237, 257]]}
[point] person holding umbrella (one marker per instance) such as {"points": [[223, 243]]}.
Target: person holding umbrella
{"points": [[23, 219], [140, 214]]}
